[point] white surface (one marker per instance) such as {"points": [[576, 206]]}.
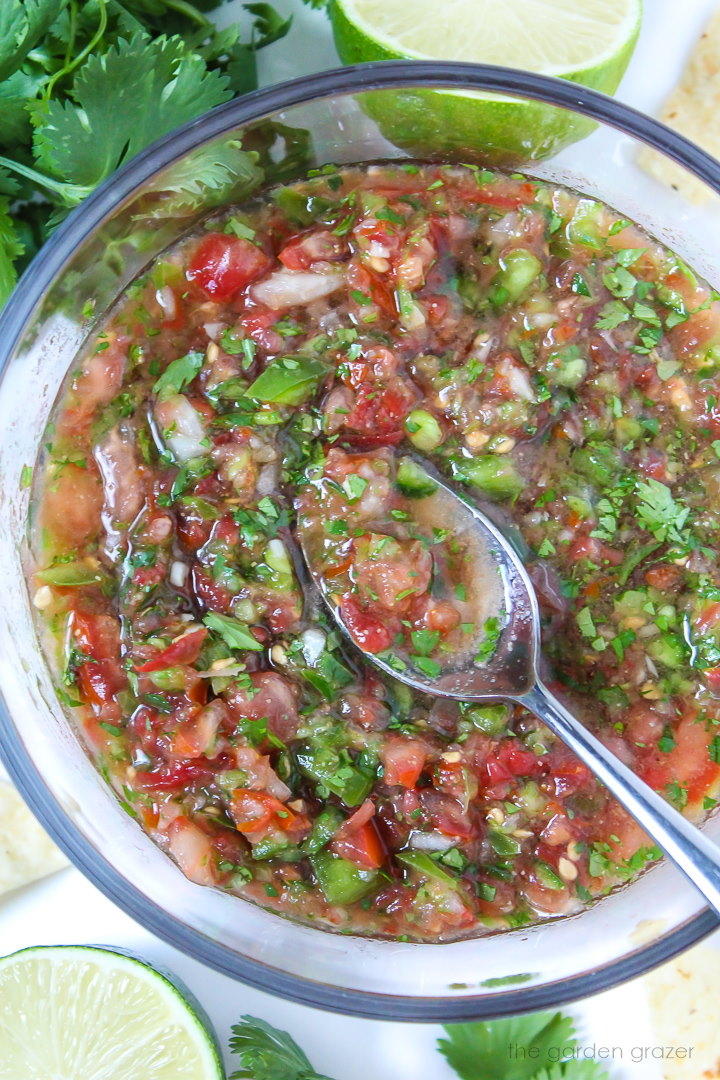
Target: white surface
{"points": [[67, 909]]}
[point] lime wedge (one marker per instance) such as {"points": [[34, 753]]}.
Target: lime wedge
{"points": [[590, 43], [80, 1013]]}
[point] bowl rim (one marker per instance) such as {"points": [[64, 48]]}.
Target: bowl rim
{"points": [[30, 290]]}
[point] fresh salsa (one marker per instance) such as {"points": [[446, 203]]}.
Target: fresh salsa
{"points": [[413, 582], [264, 384]]}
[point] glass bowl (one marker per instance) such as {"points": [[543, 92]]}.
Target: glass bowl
{"points": [[155, 199]]}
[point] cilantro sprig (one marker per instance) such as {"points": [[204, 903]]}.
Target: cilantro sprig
{"points": [[266, 1053], [660, 513], [86, 84], [538, 1046]]}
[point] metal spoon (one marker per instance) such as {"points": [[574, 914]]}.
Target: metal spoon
{"points": [[511, 673]]}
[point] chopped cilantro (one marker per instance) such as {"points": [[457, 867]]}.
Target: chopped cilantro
{"points": [[178, 374]]}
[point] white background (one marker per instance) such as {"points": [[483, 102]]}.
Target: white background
{"points": [[68, 909]]}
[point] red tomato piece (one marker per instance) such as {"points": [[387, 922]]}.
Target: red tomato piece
{"points": [[223, 265], [665, 576], [509, 761], [302, 251], [184, 650], [711, 676], [403, 761], [98, 638], [257, 322], [447, 814], [72, 505], [212, 596], [708, 617], [367, 630], [256, 812], [272, 699], [179, 774], [379, 413], [362, 847], [569, 774]]}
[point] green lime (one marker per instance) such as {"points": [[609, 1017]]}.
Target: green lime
{"points": [[589, 43], [73, 1012]]}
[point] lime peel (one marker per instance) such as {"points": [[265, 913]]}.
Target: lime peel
{"points": [[592, 47]]}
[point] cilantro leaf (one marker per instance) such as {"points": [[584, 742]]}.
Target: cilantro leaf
{"points": [[620, 282], [15, 92], [178, 374], [424, 641], [585, 623], [212, 175], [584, 1069], [10, 249], [123, 100], [612, 314], [21, 27], [267, 1053], [269, 25], [492, 629], [506, 1048], [660, 513], [235, 634]]}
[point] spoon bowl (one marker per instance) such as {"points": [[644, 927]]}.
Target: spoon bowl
{"points": [[511, 673], [511, 670]]}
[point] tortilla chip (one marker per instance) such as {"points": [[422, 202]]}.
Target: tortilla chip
{"points": [[682, 997], [692, 109], [26, 851]]}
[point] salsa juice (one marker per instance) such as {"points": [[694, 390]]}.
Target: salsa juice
{"points": [[262, 381]]}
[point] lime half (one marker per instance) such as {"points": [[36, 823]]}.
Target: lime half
{"points": [[80, 1013], [589, 43]]}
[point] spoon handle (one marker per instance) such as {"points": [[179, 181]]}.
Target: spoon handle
{"points": [[693, 852]]}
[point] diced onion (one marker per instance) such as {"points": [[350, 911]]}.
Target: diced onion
{"points": [[286, 288], [166, 299], [313, 645], [182, 428], [179, 574], [430, 841], [214, 329]]}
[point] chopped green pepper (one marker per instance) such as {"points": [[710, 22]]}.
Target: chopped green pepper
{"points": [[495, 475], [342, 882], [287, 380]]}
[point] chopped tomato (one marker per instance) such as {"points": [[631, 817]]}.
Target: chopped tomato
{"points": [[707, 619], [666, 576], [254, 811], [361, 846], [509, 761], [367, 630], [258, 815], [302, 251], [441, 615], [696, 334], [372, 288], [72, 505], [711, 677], [270, 698], [403, 761], [209, 593], [379, 412], [193, 851], [97, 638], [569, 774], [222, 264], [447, 814], [257, 322], [179, 774]]}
